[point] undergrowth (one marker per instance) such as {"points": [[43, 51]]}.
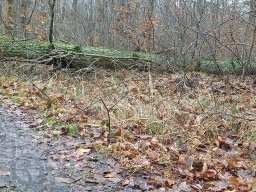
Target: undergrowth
{"points": [[139, 103]]}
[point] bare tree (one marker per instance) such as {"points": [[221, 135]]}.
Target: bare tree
{"points": [[8, 17], [52, 14], [74, 7], [23, 17], [185, 31]]}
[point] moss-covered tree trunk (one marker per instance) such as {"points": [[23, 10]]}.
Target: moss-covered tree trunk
{"points": [[42, 52]]}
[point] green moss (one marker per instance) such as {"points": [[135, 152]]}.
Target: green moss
{"points": [[50, 121], [6, 190], [227, 67], [33, 49], [73, 129], [155, 128]]}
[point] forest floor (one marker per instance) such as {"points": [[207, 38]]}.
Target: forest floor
{"points": [[133, 130], [31, 162]]}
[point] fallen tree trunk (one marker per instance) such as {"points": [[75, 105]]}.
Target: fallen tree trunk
{"points": [[69, 55]]}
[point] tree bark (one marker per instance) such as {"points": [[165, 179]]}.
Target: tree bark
{"points": [[74, 7], [52, 6], [8, 17], [23, 17]]}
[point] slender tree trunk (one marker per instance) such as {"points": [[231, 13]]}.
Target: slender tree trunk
{"points": [[98, 21], [63, 9], [8, 17], [149, 28], [252, 9], [23, 17], [252, 44], [74, 7], [52, 6]]}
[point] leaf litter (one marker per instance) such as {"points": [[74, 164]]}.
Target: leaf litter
{"points": [[168, 138]]}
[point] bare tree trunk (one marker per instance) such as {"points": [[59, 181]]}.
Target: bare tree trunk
{"points": [[8, 17], [23, 17], [74, 7], [52, 6], [253, 9], [98, 20], [151, 17]]}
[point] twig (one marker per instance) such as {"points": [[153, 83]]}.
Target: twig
{"points": [[222, 114], [119, 100], [214, 98], [108, 112], [128, 176], [42, 92]]}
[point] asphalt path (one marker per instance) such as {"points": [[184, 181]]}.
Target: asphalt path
{"points": [[31, 162], [23, 158]]}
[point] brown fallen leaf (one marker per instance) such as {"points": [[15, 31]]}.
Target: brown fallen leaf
{"points": [[245, 155], [36, 123], [185, 172], [77, 155], [64, 130], [169, 183], [210, 173], [3, 185], [219, 185], [52, 164], [132, 153], [83, 150], [232, 164], [155, 183], [71, 144], [184, 187], [182, 159], [79, 166], [114, 179], [223, 144], [205, 168], [197, 186], [63, 180], [127, 134], [111, 175], [118, 132], [82, 118], [234, 181], [5, 173], [144, 144], [197, 165], [126, 182], [5, 86]]}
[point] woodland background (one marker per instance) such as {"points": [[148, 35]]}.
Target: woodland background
{"points": [[183, 32], [184, 131]]}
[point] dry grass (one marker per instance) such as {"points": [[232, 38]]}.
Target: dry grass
{"points": [[143, 104]]}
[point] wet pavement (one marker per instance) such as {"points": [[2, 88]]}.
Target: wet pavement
{"points": [[23, 160], [32, 163]]}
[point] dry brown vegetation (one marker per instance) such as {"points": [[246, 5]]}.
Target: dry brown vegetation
{"points": [[194, 133]]}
